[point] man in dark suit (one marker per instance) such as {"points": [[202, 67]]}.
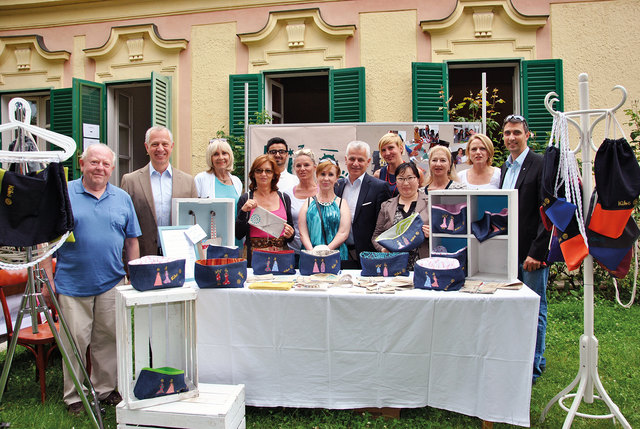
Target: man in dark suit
{"points": [[364, 194], [523, 171], [153, 186]]}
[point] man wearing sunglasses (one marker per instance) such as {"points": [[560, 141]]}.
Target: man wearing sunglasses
{"points": [[278, 150], [523, 171]]}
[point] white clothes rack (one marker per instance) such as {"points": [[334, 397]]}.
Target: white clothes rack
{"points": [[587, 377]]}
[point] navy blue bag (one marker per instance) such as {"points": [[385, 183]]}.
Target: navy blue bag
{"points": [[490, 225], [273, 262], [220, 273], [449, 218], [384, 264], [156, 272], [324, 261], [404, 236], [459, 255], [222, 252], [443, 274], [155, 382]]}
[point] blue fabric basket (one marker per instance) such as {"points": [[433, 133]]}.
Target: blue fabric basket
{"points": [[156, 272], [314, 263], [449, 218], [156, 382], [384, 264], [444, 274], [404, 236], [220, 273], [273, 262], [459, 255], [490, 225], [222, 252]]}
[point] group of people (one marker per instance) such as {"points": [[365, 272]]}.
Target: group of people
{"points": [[318, 206]]}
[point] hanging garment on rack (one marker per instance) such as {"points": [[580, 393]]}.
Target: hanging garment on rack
{"points": [[25, 144], [617, 176], [34, 208]]}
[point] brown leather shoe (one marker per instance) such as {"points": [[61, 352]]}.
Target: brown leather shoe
{"points": [[114, 398], [76, 408]]}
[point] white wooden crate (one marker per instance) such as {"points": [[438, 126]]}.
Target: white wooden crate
{"points": [[218, 406], [161, 320]]}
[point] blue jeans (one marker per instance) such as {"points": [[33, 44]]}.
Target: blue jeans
{"points": [[537, 281]]}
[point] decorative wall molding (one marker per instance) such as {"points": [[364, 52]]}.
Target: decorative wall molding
{"points": [[137, 47], [25, 60], [297, 38], [493, 25]]}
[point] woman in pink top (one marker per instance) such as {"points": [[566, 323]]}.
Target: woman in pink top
{"points": [[263, 192]]}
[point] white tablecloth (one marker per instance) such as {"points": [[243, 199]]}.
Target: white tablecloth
{"points": [[468, 353]]}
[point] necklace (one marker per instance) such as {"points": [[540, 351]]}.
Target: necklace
{"points": [[225, 180], [328, 203], [392, 185]]}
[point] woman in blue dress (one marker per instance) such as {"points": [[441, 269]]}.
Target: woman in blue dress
{"points": [[324, 219]]}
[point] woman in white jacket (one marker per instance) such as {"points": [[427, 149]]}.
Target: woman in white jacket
{"points": [[217, 181]]}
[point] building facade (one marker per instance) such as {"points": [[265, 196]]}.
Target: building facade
{"points": [[107, 70]]}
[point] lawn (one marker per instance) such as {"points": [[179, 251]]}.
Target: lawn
{"points": [[616, 329]]}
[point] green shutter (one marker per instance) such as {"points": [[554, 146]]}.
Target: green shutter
{"points": [[160, 100], [429, 92], [347, 95], [236, 100], [62, 123], [539, 77]]}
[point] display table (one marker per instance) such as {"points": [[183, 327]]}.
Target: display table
{"points": [[468, 353]]}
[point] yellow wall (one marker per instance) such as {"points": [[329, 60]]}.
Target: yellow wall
{"points": [[602, 40], [388, 47], [213, 58]]}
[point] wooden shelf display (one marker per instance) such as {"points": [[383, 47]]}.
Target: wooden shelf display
{"points": [[495, 259], [155, 329]]}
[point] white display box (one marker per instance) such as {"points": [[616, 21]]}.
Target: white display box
{"points": [[155, 329], [218, 406], [495, 259]]}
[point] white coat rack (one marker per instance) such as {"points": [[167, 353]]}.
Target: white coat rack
{"points": [[587, 377]]}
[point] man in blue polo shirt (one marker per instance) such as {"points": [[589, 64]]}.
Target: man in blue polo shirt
{"points": [[88, 270]]}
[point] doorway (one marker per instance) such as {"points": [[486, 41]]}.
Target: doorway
{"points": [[128, 118]]}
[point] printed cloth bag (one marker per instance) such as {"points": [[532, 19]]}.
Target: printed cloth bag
{"points": [[273, 262], [214, 252], [34, 208], [459, 255], [155, 382], [490, 225], [438, 274], [376, 264], [449, 218], [404, 236], [156, 272], [220, 273], [319, 261]]}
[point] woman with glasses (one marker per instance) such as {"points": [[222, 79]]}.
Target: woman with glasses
{"points": [[442, 171], [481, 175], [391, 148], [407, 202], [263, 192], [304, 165], [324, 219]]}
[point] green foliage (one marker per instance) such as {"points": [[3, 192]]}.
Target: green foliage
{"points": [[470, 110], [237, 143]]}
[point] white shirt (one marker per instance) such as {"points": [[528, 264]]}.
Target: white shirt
{"points": [[350, 195], [287, 181], [513, 169], [161, 185], [494, 182]]}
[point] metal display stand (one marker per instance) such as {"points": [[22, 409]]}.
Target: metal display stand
{"points": [[587, 377], [33, 301]]}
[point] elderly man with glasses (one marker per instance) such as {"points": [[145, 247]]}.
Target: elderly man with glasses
{"points": [[277, 148], [523, 171]]}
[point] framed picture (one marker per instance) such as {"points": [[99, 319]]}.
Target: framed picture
{"points": [[174, 243]]}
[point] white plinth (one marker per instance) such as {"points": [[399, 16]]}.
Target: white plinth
{"points": [[218, 406]]}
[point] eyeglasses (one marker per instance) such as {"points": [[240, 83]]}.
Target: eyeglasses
{"points": [[265, 171], [277, 152], [406, 179], [514, 118]]}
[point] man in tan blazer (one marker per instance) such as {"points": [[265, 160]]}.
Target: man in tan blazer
{"points": [[153, 186]]}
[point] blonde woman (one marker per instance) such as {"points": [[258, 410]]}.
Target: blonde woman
{"points": [[217, 181], [304, 166], [481, 175], [442, 172]]}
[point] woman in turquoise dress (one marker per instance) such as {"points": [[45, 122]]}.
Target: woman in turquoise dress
{"points": [[324, 219]]}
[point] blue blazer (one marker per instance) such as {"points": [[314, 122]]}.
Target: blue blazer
{"points": [[373, 193]]}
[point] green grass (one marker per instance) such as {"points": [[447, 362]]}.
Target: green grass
{"points": [[619, 366]]}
